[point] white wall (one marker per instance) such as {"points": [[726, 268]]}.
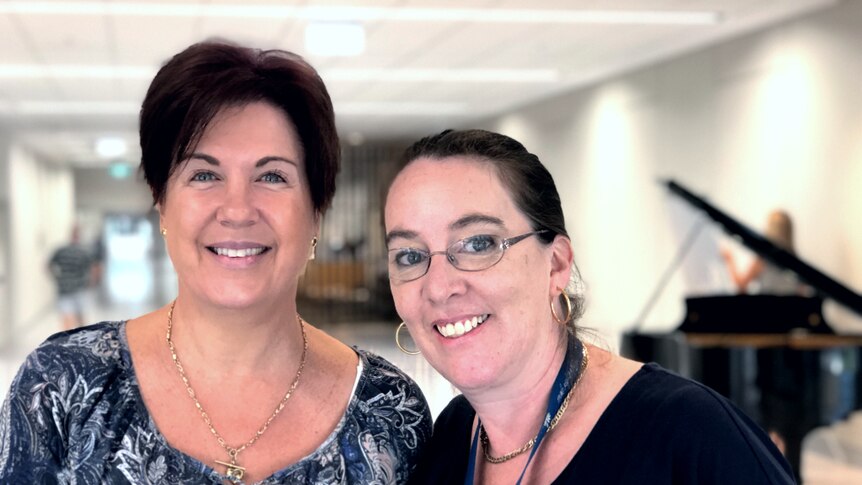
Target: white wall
{"points": [[97, 191], [41, 215], [770, 120], [5, 310]]}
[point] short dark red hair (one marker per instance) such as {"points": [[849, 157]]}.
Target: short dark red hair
{"points": [[196, 84]]}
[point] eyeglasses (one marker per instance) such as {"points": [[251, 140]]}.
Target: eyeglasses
{"points": [[473, 253]]}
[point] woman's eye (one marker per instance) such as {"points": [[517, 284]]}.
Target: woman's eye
{"points": [[478, 244], [273, 178], [409, 257], [203, 177]]}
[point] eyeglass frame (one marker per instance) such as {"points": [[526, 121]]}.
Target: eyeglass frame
{"points": [[503, 246]]}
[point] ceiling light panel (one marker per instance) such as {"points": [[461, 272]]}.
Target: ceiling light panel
{"points": [[344, 13], [332, 39]]}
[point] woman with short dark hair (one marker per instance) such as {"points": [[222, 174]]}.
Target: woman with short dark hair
{"points": [[228, 383]]}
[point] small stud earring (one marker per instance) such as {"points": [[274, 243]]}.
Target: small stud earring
{"points": [[164, 232], [313, 248]]}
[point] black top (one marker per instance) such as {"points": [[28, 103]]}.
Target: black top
{"points": [[660, 428]]}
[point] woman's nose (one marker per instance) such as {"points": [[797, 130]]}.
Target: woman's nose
{"points": [[443, 280], [237, 208]]}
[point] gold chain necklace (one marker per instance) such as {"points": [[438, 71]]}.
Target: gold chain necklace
{"points": [[235, 472], [486, 442]]}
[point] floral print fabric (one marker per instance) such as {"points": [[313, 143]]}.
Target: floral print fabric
{"points": [[74, 415]]}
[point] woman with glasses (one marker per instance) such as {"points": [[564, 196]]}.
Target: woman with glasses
{"points": [[482, 272]]}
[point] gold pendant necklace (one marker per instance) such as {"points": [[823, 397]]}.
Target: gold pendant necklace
{"points": [[486, 442], [234, 471]]}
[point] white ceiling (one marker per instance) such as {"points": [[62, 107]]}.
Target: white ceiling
{"points": [[73, 71]]}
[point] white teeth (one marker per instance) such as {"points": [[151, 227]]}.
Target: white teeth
{"points": [[458, 329], [238, 253]]}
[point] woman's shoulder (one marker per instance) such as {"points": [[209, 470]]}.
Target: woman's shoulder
{"points": [[386, 425], [86, 348], [78, 360], [669, 419], [379, 376], [389, 395], [655, 396], [450, 444], [74, 388], [656, 390]]}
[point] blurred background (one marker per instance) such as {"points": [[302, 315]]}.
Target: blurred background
{"points": [[754, 105]]}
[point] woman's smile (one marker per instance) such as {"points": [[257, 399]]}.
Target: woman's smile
{"points": [[460, 327]]}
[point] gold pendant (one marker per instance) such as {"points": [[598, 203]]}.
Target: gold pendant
{"points": [[234, 471]]}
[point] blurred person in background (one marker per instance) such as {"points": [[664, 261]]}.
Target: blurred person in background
{"points": [[74, 270], [228, 383], [482, 272], [762, 276]]}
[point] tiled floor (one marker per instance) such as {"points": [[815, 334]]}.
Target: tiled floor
{"points": [[831, 456]]}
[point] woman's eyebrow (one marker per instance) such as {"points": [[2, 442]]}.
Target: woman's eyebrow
{"points": [[263, 161], [207, 158], [476, 218], [400, 234]]}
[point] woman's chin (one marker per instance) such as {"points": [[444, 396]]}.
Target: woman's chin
{"points": [[237, 298], [468, 374]]}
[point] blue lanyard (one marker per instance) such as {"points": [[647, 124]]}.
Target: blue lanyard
{"points": [[566, 378]]}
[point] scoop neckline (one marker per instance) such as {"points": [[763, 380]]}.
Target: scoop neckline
{"points": [[361, 369]]}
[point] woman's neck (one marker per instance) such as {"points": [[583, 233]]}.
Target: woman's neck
{"points": [[238, 341], [512, 412]]}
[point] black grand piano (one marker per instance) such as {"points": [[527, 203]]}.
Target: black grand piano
{"points": [[774, 356]]}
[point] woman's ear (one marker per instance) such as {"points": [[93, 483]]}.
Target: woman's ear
{"points": [[316, 225], [158, 208], [562, 257]]}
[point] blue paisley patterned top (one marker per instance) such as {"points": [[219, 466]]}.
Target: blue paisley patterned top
{"points": [[74, 415]]}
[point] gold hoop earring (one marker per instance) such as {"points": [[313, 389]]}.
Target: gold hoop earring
{"points": [[313, 248], [563, 321], [398, 342], [164, 232]]}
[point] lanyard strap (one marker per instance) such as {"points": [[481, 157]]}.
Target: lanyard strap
{"points": [[566, 378]]}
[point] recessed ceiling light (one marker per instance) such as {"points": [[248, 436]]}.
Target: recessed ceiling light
{"points": [[334, 39], [111, 147]]}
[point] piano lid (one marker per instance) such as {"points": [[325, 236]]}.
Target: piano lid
{"points": [[767, 250]]}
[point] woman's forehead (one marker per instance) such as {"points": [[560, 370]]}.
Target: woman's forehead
{"points": [[432, 195]]}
